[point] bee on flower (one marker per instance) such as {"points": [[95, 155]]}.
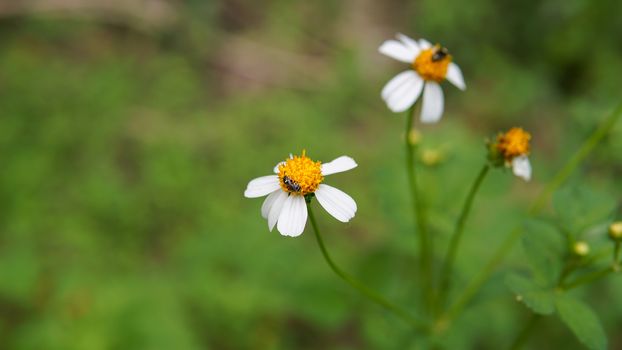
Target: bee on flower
{"points": [[511, 149], [297, 180], [429, 66]]}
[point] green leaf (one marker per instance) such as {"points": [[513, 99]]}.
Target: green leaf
{"points": [[543, 246], [580, 318], [579, 207], [538, 299]]}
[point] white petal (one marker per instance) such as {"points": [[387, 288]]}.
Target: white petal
{"points": [[405, 95], [424, 44], [432, 107], [454, 75], [412, 45], [336, 202], [276, 167], [521, 167], [267, 204], [341, 164], [398, 51], [396, 82], [293, 216], [275, 210], [261, 186]]}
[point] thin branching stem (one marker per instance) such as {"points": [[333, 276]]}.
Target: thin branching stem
{"points": [[363, 289], [525, 332], [590, 277], [425, 243], [445, 279], [571, 165]]}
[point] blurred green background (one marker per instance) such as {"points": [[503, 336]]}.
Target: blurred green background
{"points": [[129, 130]]}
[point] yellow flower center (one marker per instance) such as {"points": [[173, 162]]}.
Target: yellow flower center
{"points": [[431, 64], [300, 175], [513, 143]]}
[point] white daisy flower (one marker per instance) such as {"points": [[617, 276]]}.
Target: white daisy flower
{"points": [[429, 65], [513, 147], [296, 178]]}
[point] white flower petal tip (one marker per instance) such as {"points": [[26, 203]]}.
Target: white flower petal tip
{"points": [[395, 83], [433, 100], [293, 216], [339, 165], [336, 202], [398, 51], [268, 202], [276, 167], [521, 167], [262, 186], [424, 44], [276, 208], [412, 44], [454, 76], [401, 92]]}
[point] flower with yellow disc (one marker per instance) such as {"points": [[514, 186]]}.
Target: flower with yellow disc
{"points": [[511, 149], [429, 66], [297, 179]]}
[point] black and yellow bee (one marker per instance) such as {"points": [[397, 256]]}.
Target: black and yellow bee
{"points": [[291, 184], [439, 54]]}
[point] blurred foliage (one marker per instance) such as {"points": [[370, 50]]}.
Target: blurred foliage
{"points": [[553, 258], [125, 150]]}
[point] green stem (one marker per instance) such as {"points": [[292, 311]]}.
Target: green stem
{"points": [[457, 235], [588, 146], [603, 253], [366, 291], [589, 278], [425, 243], [616, 253], [526, 332], [568, 269]]}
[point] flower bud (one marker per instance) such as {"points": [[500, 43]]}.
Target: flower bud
{"points": [[414, 137], [581, 248], [508, 145], [615, 231], [431, 157]]}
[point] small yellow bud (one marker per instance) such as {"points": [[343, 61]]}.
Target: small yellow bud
{"points": [[615, 231], [581, 248], [431, 157], [414, 137]]}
